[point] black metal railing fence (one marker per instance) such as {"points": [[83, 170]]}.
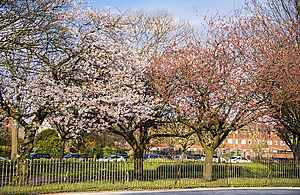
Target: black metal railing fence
{"points": [[54, 176]]}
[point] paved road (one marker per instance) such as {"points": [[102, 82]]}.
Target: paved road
{"points": [[205, 191]]}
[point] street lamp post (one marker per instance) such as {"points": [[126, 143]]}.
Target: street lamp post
{"points": [[14, 142]]}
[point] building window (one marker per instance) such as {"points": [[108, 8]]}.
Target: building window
{"points": [[282, 143], [236, 132], [270, 142], [236, 141], [229, 141], [250, 141], [243, 141], [276, 142]]}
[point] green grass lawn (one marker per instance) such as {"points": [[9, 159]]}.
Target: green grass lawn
{"points": [[150, 185]]}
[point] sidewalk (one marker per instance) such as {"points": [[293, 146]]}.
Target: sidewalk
{"points": [[202, 191]]}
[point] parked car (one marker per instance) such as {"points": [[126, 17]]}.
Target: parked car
{"points": [[105, 158], [166, 155], [124, 155], [185, 157], [279, 160], [223, 160], [239, 159], [112, 158], [39, 156], [197, 156], [2, 159], [74, 156], [152, 156], [215, 158]]}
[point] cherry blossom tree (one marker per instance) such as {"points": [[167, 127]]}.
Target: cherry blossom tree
{"points": [[206, 79], [29, 29], [99, 83], [92, 80], [26, 26], [275, 38], [116, 93], [96, 49]]}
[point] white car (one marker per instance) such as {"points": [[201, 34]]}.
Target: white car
{"points": [[215, 159], [222, 160], [112, 158], [185, 157], [239, 159]]}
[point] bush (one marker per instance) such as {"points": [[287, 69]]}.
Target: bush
{"points": [[107, 151], [5, 151]]}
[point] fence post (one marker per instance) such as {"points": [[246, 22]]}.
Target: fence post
{"points": [[227, 175], [127, 174], [271, 176]]}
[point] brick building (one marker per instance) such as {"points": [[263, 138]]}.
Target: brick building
{"points": [[250, 142]]}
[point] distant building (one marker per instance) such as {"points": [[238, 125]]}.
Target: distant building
{"points": [[251, 141]]}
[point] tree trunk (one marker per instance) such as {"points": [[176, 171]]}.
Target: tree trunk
{"points": [[207, 172], [296, 157], [138, 163], [179, 170], [23, 173], [62, 149], [27, 146], [22, 168]]}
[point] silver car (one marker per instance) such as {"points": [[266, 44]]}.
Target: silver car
{"points": [[112, 158]]}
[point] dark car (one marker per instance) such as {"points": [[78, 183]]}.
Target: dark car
{"points": [[279, 160], [152, 156], [197, 156], [40, 156], [74, 156]]}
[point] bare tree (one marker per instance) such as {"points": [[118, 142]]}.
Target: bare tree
{"points": [[260, 137], [152, 30]]}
